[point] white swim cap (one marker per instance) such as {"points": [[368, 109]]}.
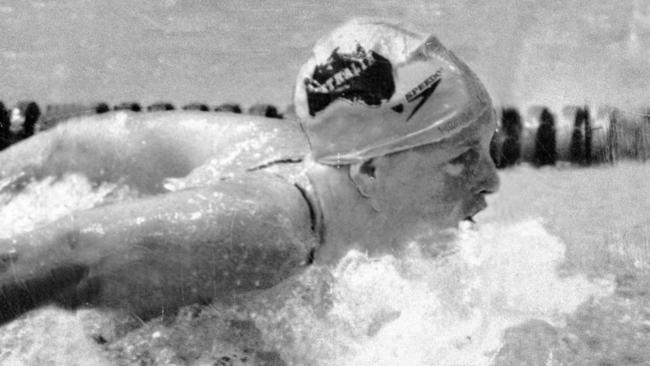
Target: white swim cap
{"points": [[372, 88]]}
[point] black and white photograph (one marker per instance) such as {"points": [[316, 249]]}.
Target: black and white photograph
{"points": [[326, 183]]}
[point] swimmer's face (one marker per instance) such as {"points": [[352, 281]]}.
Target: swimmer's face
{"points": [[440, 184]]}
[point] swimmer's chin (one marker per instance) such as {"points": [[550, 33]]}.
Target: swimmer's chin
{"points": [[471, 208]]}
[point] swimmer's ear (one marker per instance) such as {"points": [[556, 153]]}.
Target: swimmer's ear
{"points": [[363, 176]]}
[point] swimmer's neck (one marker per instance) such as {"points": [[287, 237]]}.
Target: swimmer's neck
{"points": [[349, 220]]}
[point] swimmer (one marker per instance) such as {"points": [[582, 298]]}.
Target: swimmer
{"points": [[392, 143]]}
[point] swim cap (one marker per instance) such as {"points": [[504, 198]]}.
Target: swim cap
{"points": [[372, 88]]}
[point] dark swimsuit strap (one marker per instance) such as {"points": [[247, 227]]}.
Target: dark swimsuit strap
{"points": [[291, 171]]}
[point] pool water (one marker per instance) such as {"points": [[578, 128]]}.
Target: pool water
{"points": [[74, 51]]}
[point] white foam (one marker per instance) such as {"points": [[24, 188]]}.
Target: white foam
{"points": [[49, 199], [415, 310]]}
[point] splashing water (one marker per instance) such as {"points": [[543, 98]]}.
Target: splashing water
{"points": [[46, 200], [411, 309], [419, 310]]}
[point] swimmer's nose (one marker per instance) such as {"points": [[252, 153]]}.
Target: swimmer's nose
{"points": [[487, 180]]}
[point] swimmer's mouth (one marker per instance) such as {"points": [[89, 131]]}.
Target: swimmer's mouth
{"points": [[477, 206]]}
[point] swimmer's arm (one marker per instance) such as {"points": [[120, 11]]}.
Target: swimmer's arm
{"points": [[155, 254]]}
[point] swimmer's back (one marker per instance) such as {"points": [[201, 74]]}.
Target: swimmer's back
{"points": [[145, 149]]}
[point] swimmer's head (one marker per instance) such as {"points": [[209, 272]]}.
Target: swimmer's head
{"points": [[373, 88]]}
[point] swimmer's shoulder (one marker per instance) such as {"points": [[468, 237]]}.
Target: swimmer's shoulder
{"points": [[249, 151], [264, 200], [295, 174]]}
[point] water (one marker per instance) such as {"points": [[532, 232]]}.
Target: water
{"points": [[531, 52], [44, 201], [415, 310], [532, 270]]}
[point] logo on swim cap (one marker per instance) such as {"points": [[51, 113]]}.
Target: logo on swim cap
{"points": [[359, 77], [423, 91]]}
